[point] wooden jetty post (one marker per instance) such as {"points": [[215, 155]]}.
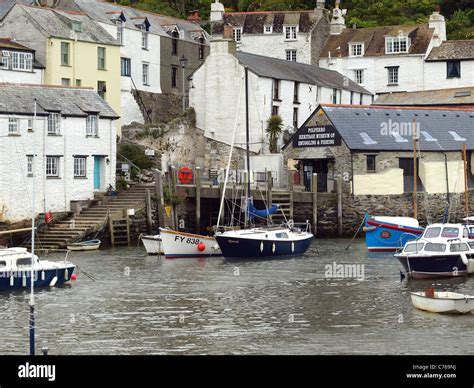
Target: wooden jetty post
{"points": [[148, 211], [314, 190], [160, 203], [172, 187], [198, 199], [339, 206]]}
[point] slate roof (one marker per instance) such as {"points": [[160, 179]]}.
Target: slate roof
{"points": [[253, 22], [439, 127], [159, 24], [5, 6], [58, 23], [374, 40], [70, 101], [299, 72], [452, 49], [455, 96]]}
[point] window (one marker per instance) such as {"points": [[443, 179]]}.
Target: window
{"points": [[174, 77], [296, 92], [92, 125], [76, 26], [290, 32], [64, 54], [356, 49], [392, 75], [145, 77], [275, 110], [434, 247], [267, 29], [450, 232], [22, 61], [359, 76], [174, 43], [295, 118], [281, 235], [120, 32], [5, 62], [101, 89], [291, 55], [334, 96], [29, 165], [415, 247], [101, 58], [276, 89], [52, 166], [79, 167], [144, 38], [125, 67], [459, 247], [30, 125], [371, 165], [78, 82], [13, 125], [201, 48], [432, 232], [352, 98], [398, 44], [54, 123], [65, 81], [453, 69], [237, 34], [361, 99]]}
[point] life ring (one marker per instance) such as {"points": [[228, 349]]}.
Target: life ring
{"points": [[185, 176]]}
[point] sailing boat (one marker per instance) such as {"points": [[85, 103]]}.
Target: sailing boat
{"points": [[254, 242]]}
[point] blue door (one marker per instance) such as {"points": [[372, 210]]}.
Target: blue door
{"points": [[97, 172]]}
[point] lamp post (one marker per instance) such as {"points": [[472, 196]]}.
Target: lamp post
{"points": [[183, 61]]}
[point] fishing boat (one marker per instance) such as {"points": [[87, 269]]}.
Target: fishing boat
{"points": [[16, 270], [385, 234], [89, 245], [442, 302], [444, 250], [152, 244], [258, 242], [185, 245]]}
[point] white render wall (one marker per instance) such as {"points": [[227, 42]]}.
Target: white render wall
{"points": [[52, 194], [132, 48], [215, 94], [22, 77], [436, 76], [275, 46]]}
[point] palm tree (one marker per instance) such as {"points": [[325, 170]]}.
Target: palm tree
{"points": [[274, 129]]}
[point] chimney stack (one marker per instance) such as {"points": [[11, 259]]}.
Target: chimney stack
{"points": [[217, 12], [226, 45], [438, 23], [338, 23], [320, 4]]}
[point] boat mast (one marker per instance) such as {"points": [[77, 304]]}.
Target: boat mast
{"points": [[247, 138], [33, 215], [415, 170], [466, 197]]}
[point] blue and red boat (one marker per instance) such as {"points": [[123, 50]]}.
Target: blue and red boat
{"points": [[386, 234]]}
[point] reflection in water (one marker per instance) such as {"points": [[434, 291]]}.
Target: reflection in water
{"points": [[148, 305]]}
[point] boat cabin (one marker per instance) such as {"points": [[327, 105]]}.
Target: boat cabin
{"points": [[15, 259]]}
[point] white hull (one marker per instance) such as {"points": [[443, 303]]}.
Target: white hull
{"points": [[153, 244], [181, 245], [443, 302]]}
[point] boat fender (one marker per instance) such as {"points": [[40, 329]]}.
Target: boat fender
{"points": [[66, 274], [43, 275], [12, 280], [24, 280], [201, 246], [261, 246], [464, 259], [273, 248], [53, 281], [292, 247], [369, 228]]}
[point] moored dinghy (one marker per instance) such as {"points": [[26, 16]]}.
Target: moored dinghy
{"points": [[89, 245], [152, 244], [442, 301]]}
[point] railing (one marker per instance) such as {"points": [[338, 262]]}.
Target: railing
{"points": [[132, 165]]}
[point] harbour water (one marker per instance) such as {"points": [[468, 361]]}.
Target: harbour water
{"points": [[148, 305]]}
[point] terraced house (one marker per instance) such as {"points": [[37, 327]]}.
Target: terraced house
{"points": [[74, 49]]}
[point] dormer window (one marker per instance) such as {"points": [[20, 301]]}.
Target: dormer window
{"points": [[267, 29], [174, 42], [356, 49], [397, 44], [76, 26], [119, 24], [237, 34], [144, 37], [22, 61], [290, 32]]}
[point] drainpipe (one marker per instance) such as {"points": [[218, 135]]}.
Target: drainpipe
{"points": [[352, 172], [447, 178]]}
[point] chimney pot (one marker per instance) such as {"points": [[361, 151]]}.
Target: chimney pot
{"points": [[228, 31]]}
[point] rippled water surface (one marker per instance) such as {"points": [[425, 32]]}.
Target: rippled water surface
{"points": [[148, 305]]}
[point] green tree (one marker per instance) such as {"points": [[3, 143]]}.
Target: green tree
{"points": [[274, 129]]}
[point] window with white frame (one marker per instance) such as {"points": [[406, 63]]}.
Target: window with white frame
{"points": [[237, 34], [13, 125], [29, 126], [145, 74], [397, 44], [144, 38], [54, 123], [120, 32], [392, 75], [291, 55], [267, 29], [92, 125], [52, 166], [22, 61], [101, 58], [79, 167], [125, 65], [290, 32], [29, 164], [5, 61], [359, 76], [356, 49]]}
